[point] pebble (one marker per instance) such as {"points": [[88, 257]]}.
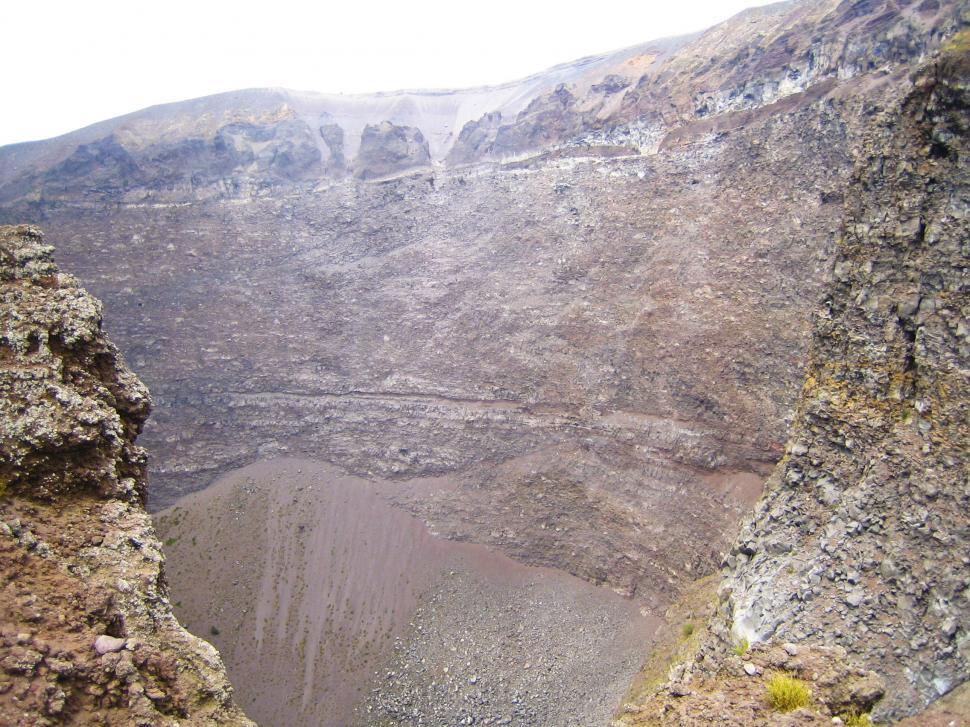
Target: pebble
{"points": [[855, 598], [105, 644]]}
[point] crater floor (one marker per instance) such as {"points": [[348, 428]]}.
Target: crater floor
{"points": [[332, 606]]}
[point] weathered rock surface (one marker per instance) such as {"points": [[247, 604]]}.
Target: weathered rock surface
{"points": [[387, 149], [87, 634], [599, 341], [861, 541]]}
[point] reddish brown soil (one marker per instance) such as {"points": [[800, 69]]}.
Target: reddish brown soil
{"points": [[303, 576]]}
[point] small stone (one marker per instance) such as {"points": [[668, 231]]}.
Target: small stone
{"points": [[105, 644], [790, 649], [907, 305], [61, 667], [678, 689], [751, 670], [55, 704], [855, 598]]}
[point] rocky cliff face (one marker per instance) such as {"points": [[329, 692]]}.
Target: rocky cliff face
{"points": [[872, 497], [589, 320], [860, 543], [387, 149], [87, 634]]}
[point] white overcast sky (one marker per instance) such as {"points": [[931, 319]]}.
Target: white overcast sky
{"points": [[69, 64]]}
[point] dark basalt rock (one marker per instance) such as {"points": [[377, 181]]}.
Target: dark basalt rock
{"points": [[387, 149], [333, 136], [476, 139], [611, 84]]}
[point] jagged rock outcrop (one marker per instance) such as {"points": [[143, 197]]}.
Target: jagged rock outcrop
{"points": [[87, 634], [476, 139], [861, 541], [387, 149], [333, 137]]}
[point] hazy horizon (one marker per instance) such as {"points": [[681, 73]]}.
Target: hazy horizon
{"points": [[101, 60]]}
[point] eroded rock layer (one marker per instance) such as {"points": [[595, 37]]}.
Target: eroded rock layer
{"points": [[87, 634], [861, 543], [591, 311]]}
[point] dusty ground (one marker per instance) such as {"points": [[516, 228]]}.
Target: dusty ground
{"points": [[330, 605]]}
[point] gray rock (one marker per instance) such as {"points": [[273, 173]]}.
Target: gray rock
{"points": [[105, 644]]}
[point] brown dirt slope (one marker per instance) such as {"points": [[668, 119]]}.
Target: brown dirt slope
{"points": [[332, 607]]}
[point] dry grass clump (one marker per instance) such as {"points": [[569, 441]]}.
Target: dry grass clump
{"points": [[856, 719], [786, 694]]}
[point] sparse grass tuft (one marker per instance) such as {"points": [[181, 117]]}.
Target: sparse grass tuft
{"points": [[786, 694], [856, 719], [687, 630], [741, 648]]}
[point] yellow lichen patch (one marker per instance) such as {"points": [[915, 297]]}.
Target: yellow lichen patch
{"points": [[958, 44], [828, 383], [856, 719]]}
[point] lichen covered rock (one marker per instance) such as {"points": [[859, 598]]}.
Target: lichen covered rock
{"points": [[87, 634], [862, 539], [387, 149], [70, 410]]}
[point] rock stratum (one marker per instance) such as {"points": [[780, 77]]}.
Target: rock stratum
{"points": [[852, 572], [566, 319], [87, 634], [583, 297]]}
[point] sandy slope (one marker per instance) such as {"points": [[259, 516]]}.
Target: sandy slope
{"points": [[319, 593]]}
